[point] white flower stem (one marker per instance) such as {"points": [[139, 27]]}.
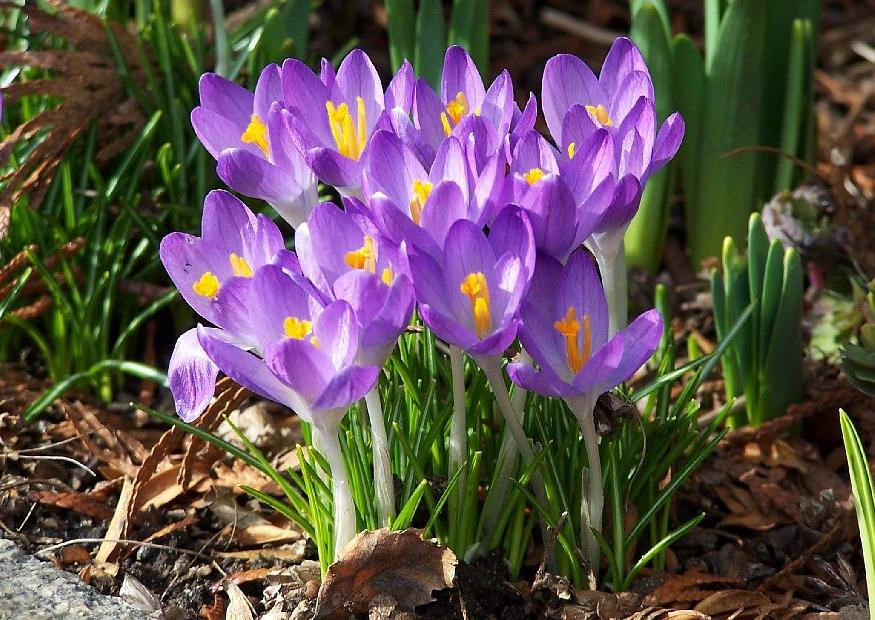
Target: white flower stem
{"points": [[612, 265], [344, 508], [458, 449], [592, 491], [384, 484], [512, 419]]}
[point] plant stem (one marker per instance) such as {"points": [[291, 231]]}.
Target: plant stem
{"points": [[513, 420], [384, 485], [594, 499], [344, 508], [612, 265], [458, 432]]}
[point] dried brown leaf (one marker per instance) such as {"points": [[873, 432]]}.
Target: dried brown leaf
{"points": [[732, 600], [399, 564]]}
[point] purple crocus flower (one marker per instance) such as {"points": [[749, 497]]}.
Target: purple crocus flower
{"points": [[619, 101], [249, 136], [565, 330], [418, 206], [213, 273], [335, 114], [307, 352], [344, 254], [463, 94], [470, 295]]}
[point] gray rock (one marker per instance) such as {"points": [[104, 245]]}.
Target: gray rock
{"points": [[30, 588]]}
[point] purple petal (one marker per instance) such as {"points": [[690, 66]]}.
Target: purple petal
{"points": [[541, 382], [192, 377], [399, 94], [577, 128], [448, 328], [254, 176], [334, 169], [357, 77], [553, 215], [622, 59], [668, 141], [392, 168], [218, 133], [498, 104], [427, 110], [338, 333], [275, 296], [635, 85], [627, 197], [445, 206], [225, 98], [581, 289], [567, 80], [350, 385], [268, 90], [460, 75], [301, 365], [250, 371], [305, 95], [512, 232]]}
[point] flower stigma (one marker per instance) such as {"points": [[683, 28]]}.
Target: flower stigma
{"points": [[475, 287], [533, 175], [569, 328], [456, 109], [349, 136], [256, 133], [572, 149], [207, 285], [240, 266], [421, 192], [297, 328], [599, 114], [363, 258]]}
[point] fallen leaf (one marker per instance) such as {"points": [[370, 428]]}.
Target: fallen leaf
{"points": [[399, 564], [732, 600], [75, 554], [138, 595], [239, 607], [80, 503], [109, 550]]}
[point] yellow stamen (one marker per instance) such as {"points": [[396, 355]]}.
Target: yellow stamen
{"points": [[296, 328], [387, 276], [456, 109], [256, 133], [315, 341], [599, 114], [476, 288], [533, 176], [240, 266], [350, 137], [569, 327], [207, 285], [363, 258], [421, 192], [572, 148]]}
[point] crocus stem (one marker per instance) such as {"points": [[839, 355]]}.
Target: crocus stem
{"points": [[344, 508], [458, 427], [512, 419], [384, 485], [612, 266], [593, 500]]}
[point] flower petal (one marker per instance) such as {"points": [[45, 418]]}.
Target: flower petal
{"points": [[192, 377], [567, 80]]}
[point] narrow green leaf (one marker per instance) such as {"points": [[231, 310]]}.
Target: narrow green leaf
{"points": [[431, 41]]}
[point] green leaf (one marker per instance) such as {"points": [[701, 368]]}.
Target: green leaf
{"points": [[864, 494], [726, 192], [401, 27], [431, 41]]}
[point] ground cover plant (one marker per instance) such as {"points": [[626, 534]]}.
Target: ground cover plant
{"points": [[325, 308]]}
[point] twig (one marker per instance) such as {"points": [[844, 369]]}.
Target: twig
{"points": [[577, 27], [121, 541], [36, 481], [66, 459]]}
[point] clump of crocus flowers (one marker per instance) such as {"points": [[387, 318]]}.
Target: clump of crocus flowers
{"points": [[454, 206]]}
